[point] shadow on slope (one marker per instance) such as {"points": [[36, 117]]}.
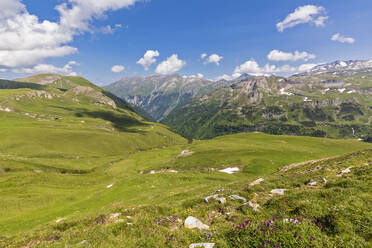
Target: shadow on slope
{"points": [[6, 84], [121, 122]]}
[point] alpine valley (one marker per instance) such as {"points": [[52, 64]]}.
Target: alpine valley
{"points": [[331, 100]]}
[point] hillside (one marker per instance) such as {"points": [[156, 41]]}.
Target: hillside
{"points": [[144, 199], [329, 101], [160, 95]]}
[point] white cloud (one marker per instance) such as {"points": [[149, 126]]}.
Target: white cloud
{"points": [[340, 38], [26, 41], [276, 55], [203, 55], [253, 68], [214, 58], [224, 77], [47, 68], [117, 68], [306, 67], [199, 75], [111, 29], [304, 14], [171, 65], [148, 59]]}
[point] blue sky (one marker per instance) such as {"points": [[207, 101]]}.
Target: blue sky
{"points": [[240, 34]]}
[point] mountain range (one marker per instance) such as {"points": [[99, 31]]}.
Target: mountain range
{"points": [[330, 100]]}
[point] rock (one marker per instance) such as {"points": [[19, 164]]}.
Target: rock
{"points": [[185, 153], [203, 245], [324, 180], [219, 190], [192, 222], [254, 206], [275, 192], [60, 220], [109, 186], [83, 242], [221, 200], [230, 170], [115, 215], [237, 198], [312, 183], [257, 182], [346, 171], [206, 199]]}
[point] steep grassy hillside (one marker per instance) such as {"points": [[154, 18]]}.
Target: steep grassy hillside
{"points": [[149, 189], [321, 105]]}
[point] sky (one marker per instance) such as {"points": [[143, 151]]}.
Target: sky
{"points": [[109, 39]]}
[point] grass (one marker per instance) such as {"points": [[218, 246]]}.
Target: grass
{"points": [[57, 161], [152, 198]]}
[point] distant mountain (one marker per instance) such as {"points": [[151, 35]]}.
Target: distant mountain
{"points": [[332, 100], [341, 68], [160, 95]]}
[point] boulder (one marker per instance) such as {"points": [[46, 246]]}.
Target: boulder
{"points": [[221, 200], [192, 222], [206, 199], [254, 206], [275, 192], [312, 183], [203, 245], [257, 182], [237, 198]]}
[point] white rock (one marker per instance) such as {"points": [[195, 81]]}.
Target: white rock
{"points": [[115, 215], [277, 192], [192, 222], [258, 181], [230, 170], [109, 186], [221, 200], [204, 245], [60, 220], [255, 206], [237, 198], [346, 171], [324, 180], [206, 199], [312, 183], [83, 242]]}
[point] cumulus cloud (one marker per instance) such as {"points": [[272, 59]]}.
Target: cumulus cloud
{"points": [[47, 68], [340, 38], [170, 65], [148, 59], [305, 14], [26, 41], [306, 67], [276, 55], [117, 68], [214, 58], [253, 68], [224, 77], [199, 75], [203, 55]]}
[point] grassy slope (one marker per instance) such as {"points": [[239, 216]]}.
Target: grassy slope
{"points": [[49, 147], [30, 200]]}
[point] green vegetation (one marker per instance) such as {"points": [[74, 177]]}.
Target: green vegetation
{"points": [[79, 168], [323, 106]]}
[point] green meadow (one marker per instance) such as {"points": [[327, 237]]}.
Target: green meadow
{"points": [[68, 161]]}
